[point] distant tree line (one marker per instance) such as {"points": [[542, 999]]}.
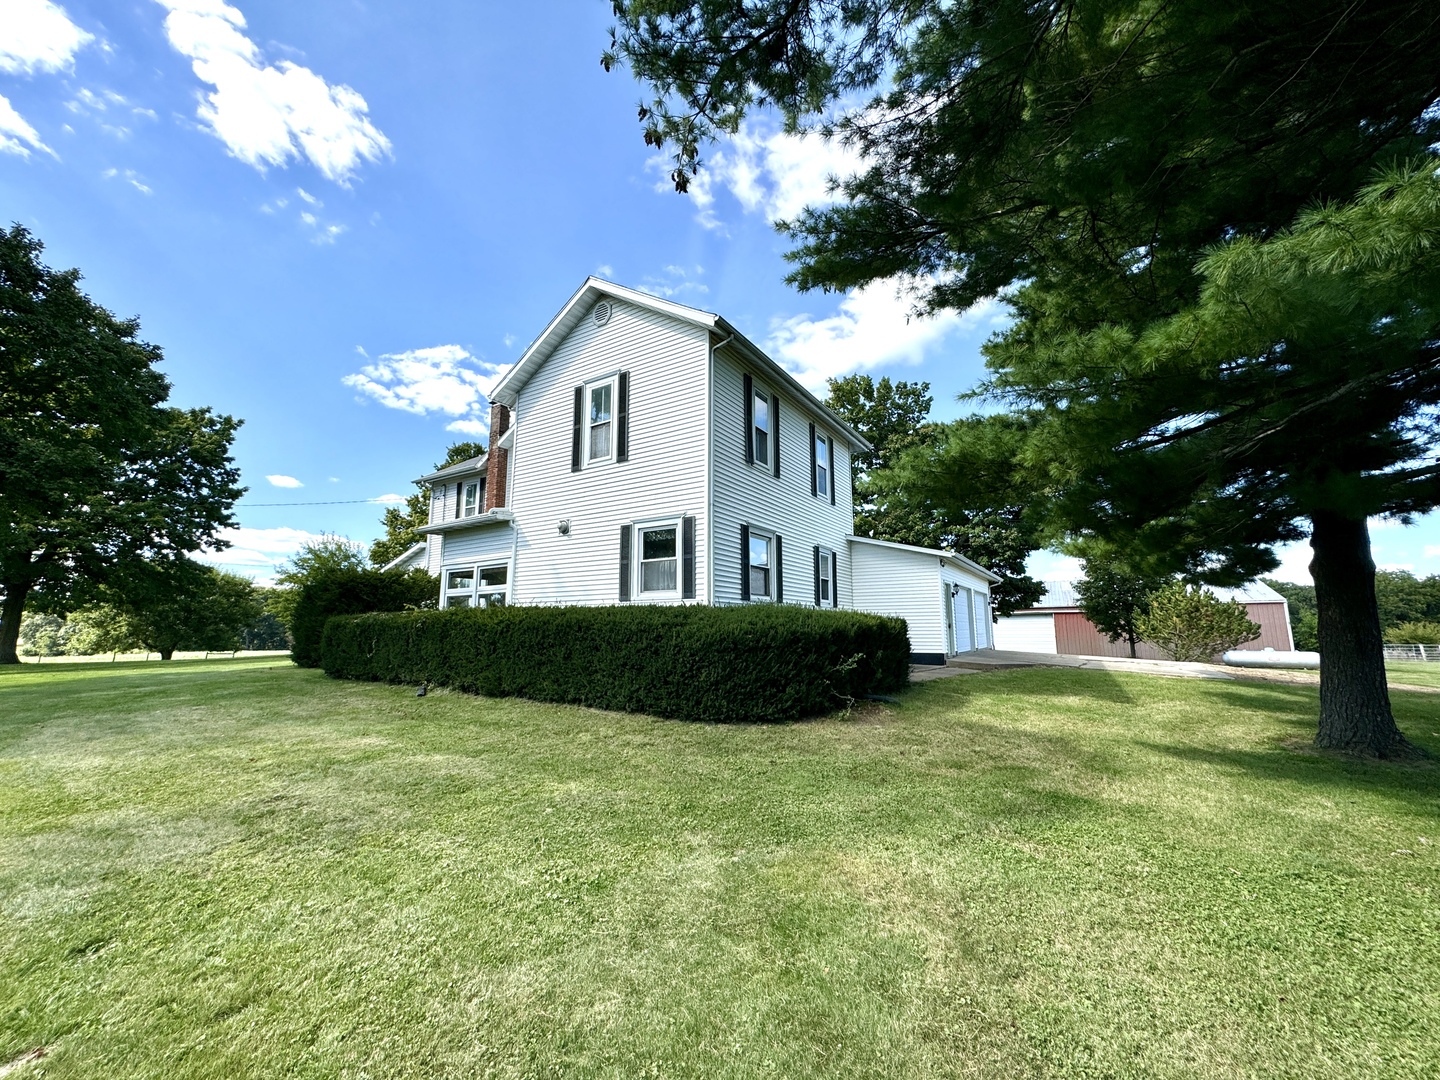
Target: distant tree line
{"points": [[1409, 608]]}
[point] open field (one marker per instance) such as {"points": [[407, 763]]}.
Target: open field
{"points": [[241, 869], [1413, 673]]}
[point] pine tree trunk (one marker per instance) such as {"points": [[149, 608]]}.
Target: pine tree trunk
{"points": [[1355, 712], [10, 612]]}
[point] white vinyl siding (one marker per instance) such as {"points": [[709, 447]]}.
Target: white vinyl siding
{"points": [[890, 581], [751, 495], [481, 542], [663, 480], [1026, 633]]}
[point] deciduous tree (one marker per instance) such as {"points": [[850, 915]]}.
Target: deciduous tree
{"points": [[400, 525], [96, 473]]}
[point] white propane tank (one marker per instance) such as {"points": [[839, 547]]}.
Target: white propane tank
{"points": [[1270, 658]]}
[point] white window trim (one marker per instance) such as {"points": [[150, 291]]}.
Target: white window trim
{"points": [[827, 558], [758, 391], [637, 571], [613, 381], [769, 538], [473, 593]]}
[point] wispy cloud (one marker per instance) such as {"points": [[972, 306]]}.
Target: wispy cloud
{"points": [[280, 480], [131, 177], [267, 114], [37, 36], [321, 232], [675, 281], [873, 326], [443, 379], [16, 135]]}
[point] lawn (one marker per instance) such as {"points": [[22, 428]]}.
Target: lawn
{"points": [[240, 869], [1413, 672]]}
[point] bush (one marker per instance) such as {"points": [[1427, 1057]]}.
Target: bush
{"points": [[1413, 633], [749, 663], [1193, 624], [345, 591]]}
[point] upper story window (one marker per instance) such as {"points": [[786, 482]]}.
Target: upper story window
{"points": [[600, 421], [760, 427], [659, 563], [474, 498], [759, 560], [822, 466]]}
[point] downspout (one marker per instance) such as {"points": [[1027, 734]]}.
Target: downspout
{"points": [[710, 464]]}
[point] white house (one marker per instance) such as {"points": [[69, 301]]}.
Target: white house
{"points": [[645, 452]]}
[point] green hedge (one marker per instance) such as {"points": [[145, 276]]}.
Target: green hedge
{"points": [[349, 592], [754, 663]]}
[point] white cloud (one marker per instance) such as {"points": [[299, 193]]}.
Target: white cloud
{"points": [[1050, 566], [675, 281], [605, 270], [131, 177], [388, 499], [16, 136], [443, 379], [509, 340], [311, 199], [257, 552], [321, 233], [874, 326], [36, 36], [267, 114], [767, 171], [280, 480]]}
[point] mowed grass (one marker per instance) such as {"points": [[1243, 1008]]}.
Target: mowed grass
{"points": [[239, 869], [1413, 672]]}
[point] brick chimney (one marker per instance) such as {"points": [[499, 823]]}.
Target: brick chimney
{"points": [[497, 469]]}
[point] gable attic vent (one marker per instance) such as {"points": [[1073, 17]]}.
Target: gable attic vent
{"points": [[601, 314]]}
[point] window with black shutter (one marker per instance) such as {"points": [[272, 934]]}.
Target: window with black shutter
{"points": [[622, 418], [625, 542], [687, 558], [579, 424]]}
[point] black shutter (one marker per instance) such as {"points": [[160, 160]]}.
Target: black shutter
{"points": [[775, 434], [817, 569], [749, 391], [622, 419], [813, 468], [830, 448], [687, 558], [624, 562], [779, 572], [575, 434], [745, 554], [834, 580], [459, 497]]}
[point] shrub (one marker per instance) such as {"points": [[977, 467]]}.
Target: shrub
{"points": [[749, 663], [1413, 633], [1193, 624], [350, 591]]}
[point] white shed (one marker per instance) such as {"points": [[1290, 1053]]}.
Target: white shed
{"points": [[944, 598]]}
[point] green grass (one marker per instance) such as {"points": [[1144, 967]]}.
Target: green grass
{"points": [[1413, 672], [240, 869]]}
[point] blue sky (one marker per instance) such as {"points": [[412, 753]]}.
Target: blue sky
{"points": [[340, 220]]}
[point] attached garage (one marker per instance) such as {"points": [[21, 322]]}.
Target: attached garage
{"points": [[944, 598]]}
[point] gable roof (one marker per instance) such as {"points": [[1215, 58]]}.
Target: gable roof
{"points": [[949, 556], [1061, 595], [507, 390]]}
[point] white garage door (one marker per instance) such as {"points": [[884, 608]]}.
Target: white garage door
{"points": [[1026, 633]]}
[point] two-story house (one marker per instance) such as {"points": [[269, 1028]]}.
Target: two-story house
{"points": [[644, 452]]}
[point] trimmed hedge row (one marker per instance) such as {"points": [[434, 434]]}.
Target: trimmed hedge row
{"points": [[748, 663], [348, 592]]}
